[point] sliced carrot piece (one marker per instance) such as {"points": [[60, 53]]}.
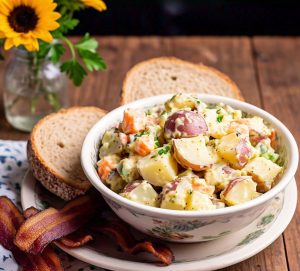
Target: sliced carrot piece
{"points": [[106, 165], [133, 122], [273, 138], [144, 145]]}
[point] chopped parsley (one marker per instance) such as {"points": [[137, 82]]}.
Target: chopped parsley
{"points": [[271, 156], [164, 150], [157, 144], [220, 118], [141, 134], [198, 101]]}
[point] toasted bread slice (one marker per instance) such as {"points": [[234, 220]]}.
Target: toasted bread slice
{"points": [[54, 148], [171, 75]]}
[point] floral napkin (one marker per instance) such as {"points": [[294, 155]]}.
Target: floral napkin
{"points": [[13, 165]]}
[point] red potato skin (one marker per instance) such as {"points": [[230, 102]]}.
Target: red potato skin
{"points": [[171, 186], [193, 124], [243, 151], [131, 186], [185, 163], [231, 184]]}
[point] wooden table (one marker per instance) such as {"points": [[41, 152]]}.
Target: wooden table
{"points": [[267, 70]]}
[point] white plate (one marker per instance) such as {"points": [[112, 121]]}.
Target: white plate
{"points": [[227, 250]]}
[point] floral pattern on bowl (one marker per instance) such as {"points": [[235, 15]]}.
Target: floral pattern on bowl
{"points": [[103, 251], [185, 230], [179, 230]]}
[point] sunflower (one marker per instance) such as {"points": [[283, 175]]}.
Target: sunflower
{"points": [[23, 22], [96, 4]]}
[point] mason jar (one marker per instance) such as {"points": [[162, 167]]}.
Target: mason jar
{"points": [[33, 88]]}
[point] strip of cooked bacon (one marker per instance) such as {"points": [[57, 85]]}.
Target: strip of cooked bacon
{"points": [[76, 239], [47, 261], [29, 212], [11, 220], [51, 224], [121, 234], [73, 240]]}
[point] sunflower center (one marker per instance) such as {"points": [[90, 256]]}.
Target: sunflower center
{"points": [[22, 19]]}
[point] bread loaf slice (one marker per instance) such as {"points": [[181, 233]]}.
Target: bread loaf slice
{"points": [[54, 149], [165, 75]]}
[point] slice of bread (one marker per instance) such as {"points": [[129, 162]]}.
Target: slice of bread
{"points": [[54, 148], [165, 75]]}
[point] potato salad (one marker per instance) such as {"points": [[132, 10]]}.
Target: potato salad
{"points": [[189, 155]]}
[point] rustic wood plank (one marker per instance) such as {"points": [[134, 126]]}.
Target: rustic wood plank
{"points": [[278, 62], [269, 259]]}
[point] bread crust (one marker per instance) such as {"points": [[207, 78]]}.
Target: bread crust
{"points": [[125, 98], [48, 177]]}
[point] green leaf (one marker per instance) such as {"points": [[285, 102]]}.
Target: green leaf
{"points": [[74, 70], [87, 44], [67, 24], [56, 51], [92, 60], [43, 50]]}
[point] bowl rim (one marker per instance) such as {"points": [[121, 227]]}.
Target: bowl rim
{"points": [[90, 171]]}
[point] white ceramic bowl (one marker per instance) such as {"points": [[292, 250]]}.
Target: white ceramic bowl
{"points": [[187, 226]]}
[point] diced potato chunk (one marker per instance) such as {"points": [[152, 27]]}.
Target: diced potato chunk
{"points": [[218, 121], [199, 184], [158, 167], [192, 153], [239, 190], [112, 143], [175, 194], [256, 124], [263, 171], [182, 101], [235, 149], [127, 169], [141, 192], [115, 181], [199, 201], [218, 203], [187, 173], [220, 174], [187, 193]]}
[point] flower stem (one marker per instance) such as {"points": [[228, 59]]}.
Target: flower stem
{"points": [[70, 45]]}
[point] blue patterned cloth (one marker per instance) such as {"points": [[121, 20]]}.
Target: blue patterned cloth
{"points": [[13, 165]]}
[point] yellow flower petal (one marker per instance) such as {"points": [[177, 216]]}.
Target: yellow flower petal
{"points": [[43, 35], [5, 7], [8, 44], [96, 4]]}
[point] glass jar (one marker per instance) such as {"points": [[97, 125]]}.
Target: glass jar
{"points": [[33, 88]]}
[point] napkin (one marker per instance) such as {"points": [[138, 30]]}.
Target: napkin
{"points": [[13, 165]]}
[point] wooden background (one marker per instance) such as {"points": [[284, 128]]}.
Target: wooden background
{"points": [[267, 70]]}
